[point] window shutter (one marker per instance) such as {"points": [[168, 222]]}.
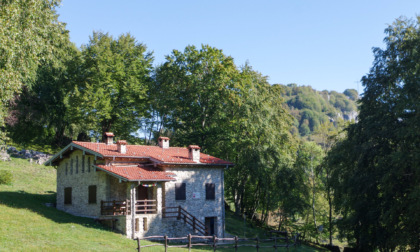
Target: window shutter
{"points": [[92, 194], [210, 191], [67, 195], [180, 193]]}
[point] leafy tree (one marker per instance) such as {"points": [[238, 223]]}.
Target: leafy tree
{"points": [[40, 111], [28, 32], [112, 93], [376, 171], [201, 97], [193, 93], [352, 94]]}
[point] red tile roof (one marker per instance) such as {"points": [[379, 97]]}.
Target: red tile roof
{"points": [[137, 172], [172, 155]]}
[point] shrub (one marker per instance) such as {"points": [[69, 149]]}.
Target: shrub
{"points": [[5, 177]]}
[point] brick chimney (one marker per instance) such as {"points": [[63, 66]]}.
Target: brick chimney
{"points": [[194, 153], [122, 146], [109, 138], [163, 142]]}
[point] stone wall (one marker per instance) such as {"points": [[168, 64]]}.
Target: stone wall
{"points": [[196, 203], [70, 173]]}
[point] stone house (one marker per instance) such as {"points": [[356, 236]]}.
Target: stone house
{"points": [[142, 190]]}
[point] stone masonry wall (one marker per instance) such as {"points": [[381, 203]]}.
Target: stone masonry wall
{"points": [[70, 173], [196, 203]]}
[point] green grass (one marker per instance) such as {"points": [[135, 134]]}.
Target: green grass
{"points": [[27, 224]]}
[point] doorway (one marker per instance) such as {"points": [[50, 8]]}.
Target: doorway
{"points": [[210, 223]]}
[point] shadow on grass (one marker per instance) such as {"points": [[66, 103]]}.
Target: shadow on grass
{"points": [[36, 203]]}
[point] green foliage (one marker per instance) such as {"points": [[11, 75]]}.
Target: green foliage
{"points": [[312, 108], [40, 110], [375, 171], [111, 95], [28, 33], [352, 94], [6, 177]]}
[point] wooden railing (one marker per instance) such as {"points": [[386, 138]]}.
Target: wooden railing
{"points": [[115, 207], [146, 206], [123, 207], [181, 214]]}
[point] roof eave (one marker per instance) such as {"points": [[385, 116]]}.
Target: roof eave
{"points": [[71, 146]]}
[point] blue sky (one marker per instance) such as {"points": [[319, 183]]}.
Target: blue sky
{"points": [[324, 44]]}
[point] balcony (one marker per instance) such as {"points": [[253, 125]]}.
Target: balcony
{"points": [[123, 207]]}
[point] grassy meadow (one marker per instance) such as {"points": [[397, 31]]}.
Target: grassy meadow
{"points": [[26, 223]]}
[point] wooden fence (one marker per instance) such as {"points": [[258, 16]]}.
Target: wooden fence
{"points": [[215, 242]]}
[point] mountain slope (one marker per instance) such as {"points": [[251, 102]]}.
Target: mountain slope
{"points": [[311, 108]]}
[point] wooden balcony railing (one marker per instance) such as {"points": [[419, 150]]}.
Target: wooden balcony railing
{"points": [[115, 207], [123, 207], [146, 206]]}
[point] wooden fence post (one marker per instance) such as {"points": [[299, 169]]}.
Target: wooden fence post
{"points": [[258, 244], [275, 243], [214, 242], [166, 243], [189, 242], [236, 243], [138, 244]]}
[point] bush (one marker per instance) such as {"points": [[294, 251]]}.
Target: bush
{"points": [[5, 177]]}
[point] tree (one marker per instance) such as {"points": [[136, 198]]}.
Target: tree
{"points": [[28, 32], [376, 169], [40, 111], [201, 97], [112, 93], [193, 93]]}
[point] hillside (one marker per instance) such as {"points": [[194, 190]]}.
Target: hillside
{"points": [[311, 108], [28, 224]]}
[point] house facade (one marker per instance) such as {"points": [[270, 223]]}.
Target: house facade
{"points": [[142, 190]]}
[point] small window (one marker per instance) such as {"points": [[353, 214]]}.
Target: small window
{"points": [[92, 194], [83, 163], [210, 191], [77, 164], [71, 166], [145, 228], [88, 164], [137, 224], [67, 196], [180, 191]]}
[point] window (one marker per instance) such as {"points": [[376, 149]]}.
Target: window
{"points": [[92, 194], [67, 196], [88, 164], [180, 191], [83, 163], [71, 166], [145, 228], [77, 164], [210, 191], [137, 224]]}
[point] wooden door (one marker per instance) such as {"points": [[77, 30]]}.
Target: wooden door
{"points": [[210, 223]]}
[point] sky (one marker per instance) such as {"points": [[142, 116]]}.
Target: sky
{"points": [[326, 44]]}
